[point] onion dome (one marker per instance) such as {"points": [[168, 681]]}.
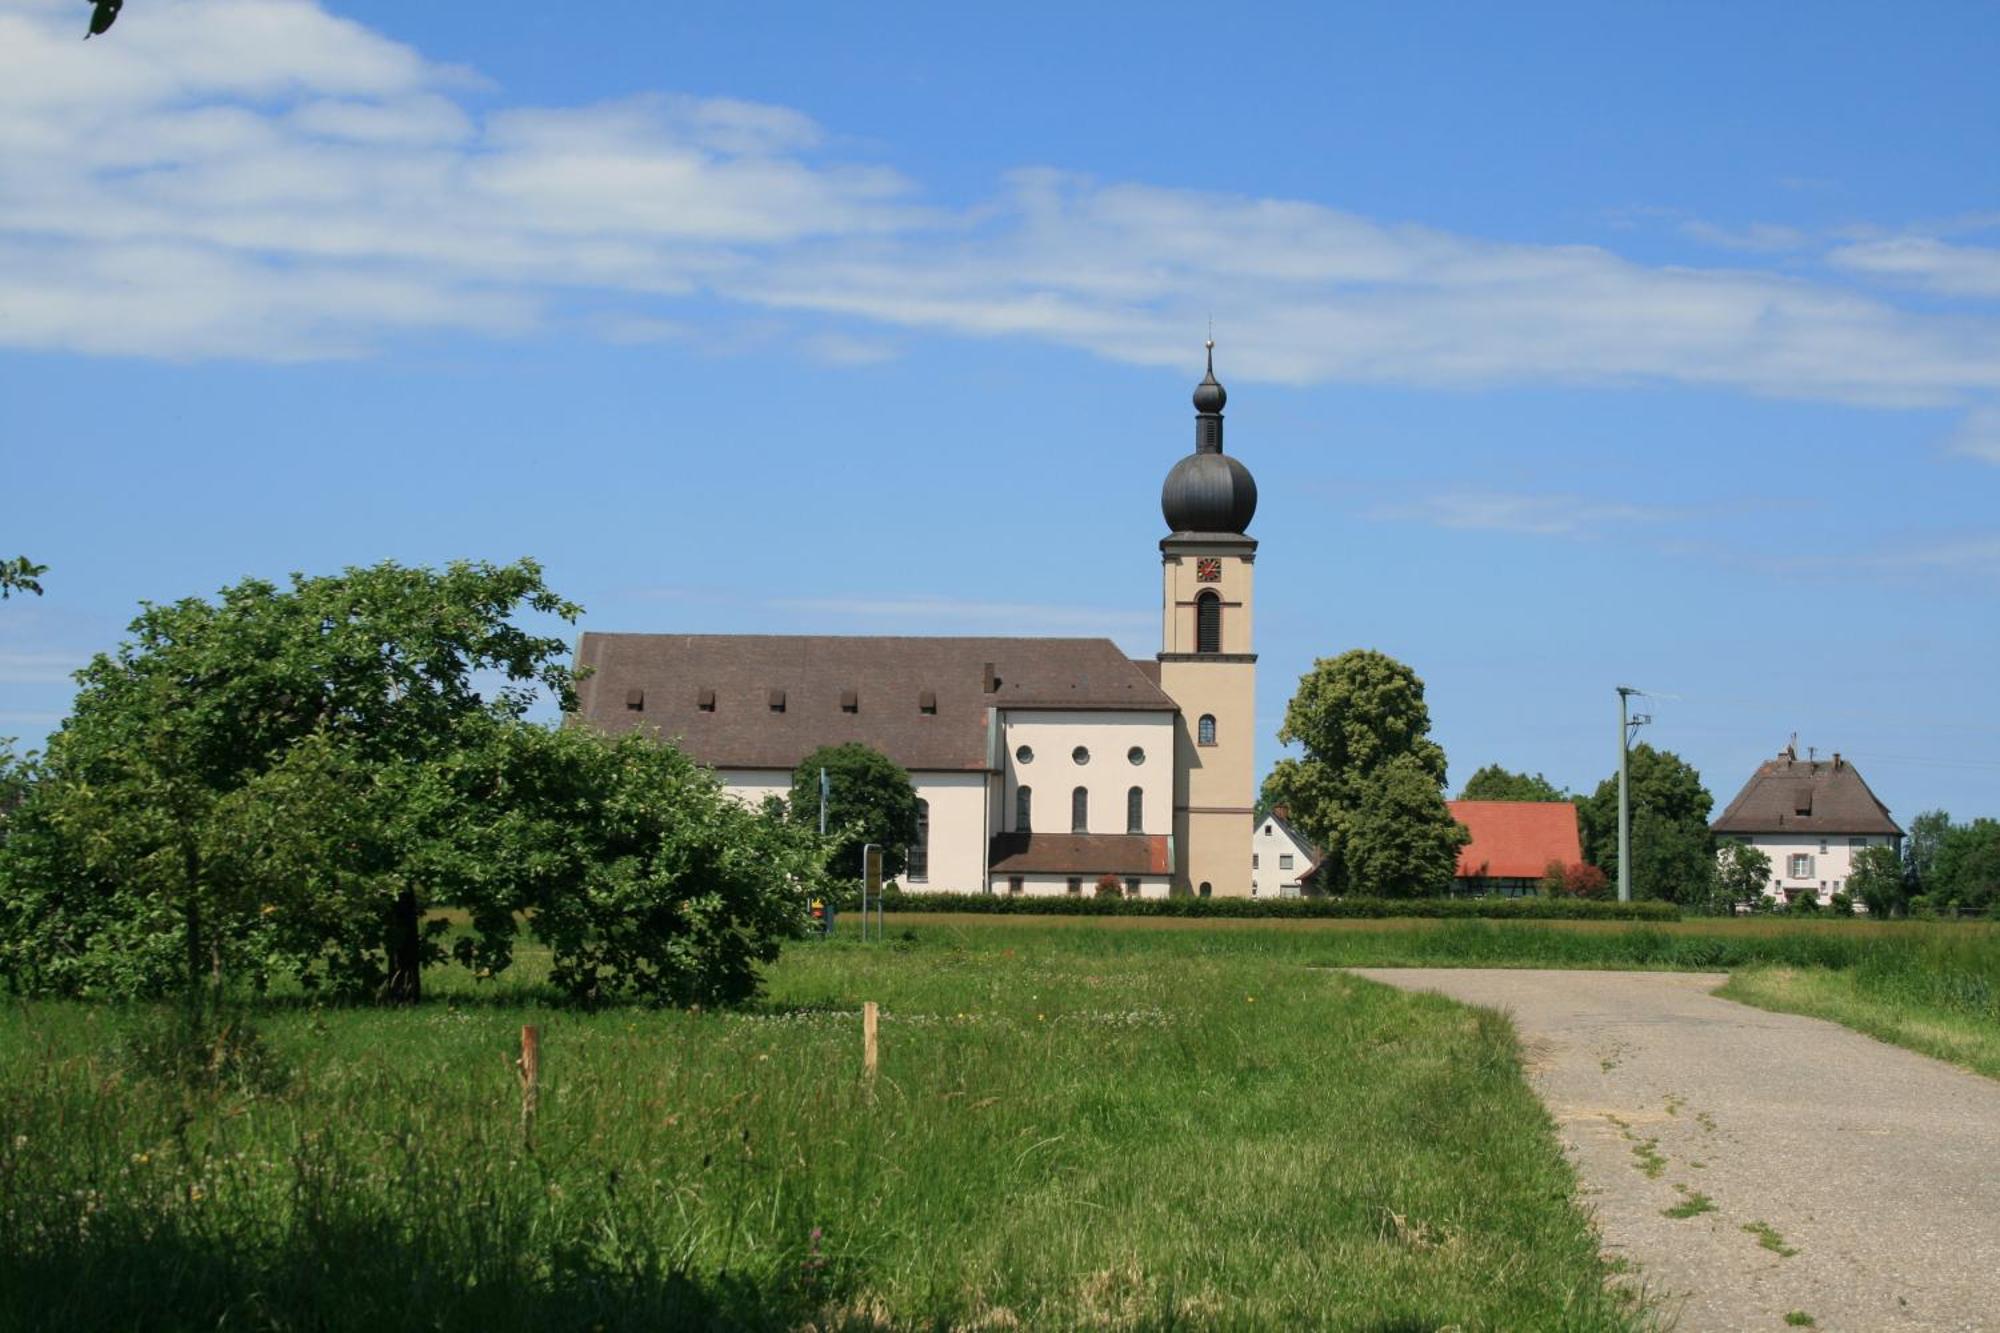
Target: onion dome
{"points": [[1208, 491]]}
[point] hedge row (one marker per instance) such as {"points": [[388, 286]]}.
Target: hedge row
{"points": [[1504, 909]]}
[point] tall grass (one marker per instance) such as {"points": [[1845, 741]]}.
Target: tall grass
{"points": [[1137, 1130]]}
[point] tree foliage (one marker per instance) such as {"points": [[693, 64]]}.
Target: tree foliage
{"points": [[869, 799], [1672, 851], [1877, 879], [20, 575], [1742, 875], [288, 780], [1369, 786], [1920, 848], [1966, 873], [1494, 783]]}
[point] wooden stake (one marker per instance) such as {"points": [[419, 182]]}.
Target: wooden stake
{"points": [[868, 1039], [530, 1070]]}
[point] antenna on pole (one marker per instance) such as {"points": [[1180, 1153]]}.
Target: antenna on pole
{"points": [[1628, 723]]}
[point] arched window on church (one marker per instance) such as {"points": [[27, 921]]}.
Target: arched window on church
{"points": [[1208, 623], [1079, 810], [1023, 803], [1204, 730], [919, 856], [1135, 810]]}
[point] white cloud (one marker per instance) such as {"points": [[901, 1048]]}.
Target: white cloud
{"points": [[262, 179], [1757, 236], [965, 616], [1978, 435], [31, 667], [1528, 514], [1950, 270]]}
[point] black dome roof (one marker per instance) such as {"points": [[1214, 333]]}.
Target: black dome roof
{"points": [[1208, 491]]}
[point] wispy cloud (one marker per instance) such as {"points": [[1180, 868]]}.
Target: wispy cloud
{"points": [[1529, 514], [1935, 265], [1972, 555], [1978, 434], [958, 613], [1763, 237], [32, 667], [263, 179]]}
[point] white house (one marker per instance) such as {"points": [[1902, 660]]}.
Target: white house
{"points": [[1041, 765], [1810, 816], [1279, 856]]}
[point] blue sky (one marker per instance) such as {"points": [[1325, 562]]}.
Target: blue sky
{"points": [[1571, 345]]}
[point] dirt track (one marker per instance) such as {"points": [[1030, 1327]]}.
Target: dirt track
{"points": [[1878, 1167]]}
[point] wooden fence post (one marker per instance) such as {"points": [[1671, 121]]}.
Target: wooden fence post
{"points": [[868, 1040], [530, 1070]]}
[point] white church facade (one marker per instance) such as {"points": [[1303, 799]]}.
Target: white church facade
{"points": [[1042, 766]]}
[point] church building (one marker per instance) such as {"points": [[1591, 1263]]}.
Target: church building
{"points": [[1041, 765]]}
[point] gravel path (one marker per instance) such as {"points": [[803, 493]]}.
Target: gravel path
{"points": [[1873, 1173]]}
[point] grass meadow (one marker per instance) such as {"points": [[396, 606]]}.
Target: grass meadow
{"points": [[1078, 1123], [1133, 1130]]}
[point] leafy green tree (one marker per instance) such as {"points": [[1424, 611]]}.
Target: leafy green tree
{"points": [[1672, 851], [1742, 875], [1877, 879], [1494, 783], [1966, 872], [20, 575], [1920, 848], [869, 799], [385, 669], [1369, 787]]}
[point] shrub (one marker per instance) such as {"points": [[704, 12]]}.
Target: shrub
{"points": [[1108, 886], [1281, 909], [1575, 880], [1843, 904]]}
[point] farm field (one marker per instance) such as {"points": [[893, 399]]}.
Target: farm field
{"points": [[1132, 1129], [1108, 1123]]}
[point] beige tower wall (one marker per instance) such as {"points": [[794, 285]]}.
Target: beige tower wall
{"points": [[1215, 784]]}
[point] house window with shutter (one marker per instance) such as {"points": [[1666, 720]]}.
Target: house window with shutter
{"points": [[1799, 866]]}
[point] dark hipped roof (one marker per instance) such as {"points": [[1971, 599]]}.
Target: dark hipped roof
{"points": [[1516, 839], [1079, 854], [661, 681], [1791, 795]]}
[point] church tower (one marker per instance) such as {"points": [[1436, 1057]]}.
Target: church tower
{"points": [[1207, 665]]}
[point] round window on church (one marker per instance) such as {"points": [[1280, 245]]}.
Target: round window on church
{"points": [[1024, 755], [1136, 755], [1081, 754]]}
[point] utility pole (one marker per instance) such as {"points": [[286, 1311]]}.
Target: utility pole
{"points": [[1626, 726], [822, 803]]}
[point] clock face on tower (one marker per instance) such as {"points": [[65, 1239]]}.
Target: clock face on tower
{"points": [[1208, 569]]}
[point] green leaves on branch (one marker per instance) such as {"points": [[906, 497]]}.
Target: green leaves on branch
{"points": [[1672, 851], [20, 575], [869, 799], [1494, 783], [288, 781], [1369, 788]]}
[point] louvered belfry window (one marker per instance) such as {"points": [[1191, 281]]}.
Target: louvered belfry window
{"points": [[1208, 623]]}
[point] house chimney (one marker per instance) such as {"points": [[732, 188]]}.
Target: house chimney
{"points": [[989, 680], [1836, 761]]}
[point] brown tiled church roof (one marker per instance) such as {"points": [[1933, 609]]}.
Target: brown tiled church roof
{"points": [[768, 700], [1079, 854], [1788, 795]]}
